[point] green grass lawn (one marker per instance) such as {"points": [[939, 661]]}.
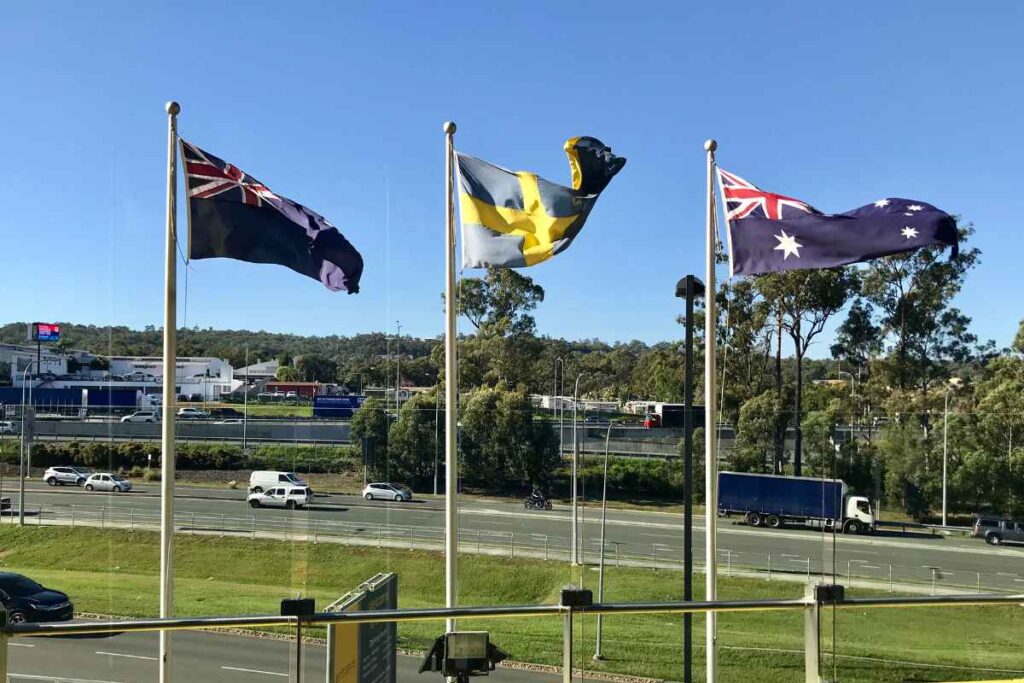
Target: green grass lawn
{"points": [[115, 572]]}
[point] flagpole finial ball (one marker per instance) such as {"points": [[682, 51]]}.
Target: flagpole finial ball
{"points": [[710, 145], [172, 108], [449, 127]]}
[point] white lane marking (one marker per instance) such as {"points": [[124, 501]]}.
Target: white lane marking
{"points": [[869, 566], [254, 671], [120, 654], [63, 679], [21, 644]]}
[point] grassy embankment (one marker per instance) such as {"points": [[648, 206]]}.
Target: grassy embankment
{"points": [[115, 572]]}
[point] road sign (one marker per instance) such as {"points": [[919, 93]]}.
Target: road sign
{"points": [[28, 431], [364, 653]]}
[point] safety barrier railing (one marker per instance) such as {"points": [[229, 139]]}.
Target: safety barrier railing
{"points": [[815, 600], [269, 524]]}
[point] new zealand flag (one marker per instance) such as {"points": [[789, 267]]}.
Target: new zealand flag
{"points": [[233, 215], [770, 232]]}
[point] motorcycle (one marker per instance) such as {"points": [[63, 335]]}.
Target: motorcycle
{"points": [[534, 503]]}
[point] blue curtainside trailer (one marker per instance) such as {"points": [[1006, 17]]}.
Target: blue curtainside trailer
{"points": [[771, 500]]}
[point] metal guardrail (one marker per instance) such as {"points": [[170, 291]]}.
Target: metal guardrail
{"points": [[269, 524], [811, 606]]}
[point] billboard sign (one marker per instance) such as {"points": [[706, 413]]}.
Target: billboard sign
{"points": [[364, 653], [44, 332]]}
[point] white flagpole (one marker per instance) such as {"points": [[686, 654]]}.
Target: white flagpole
{"points": [[451, 387], [710, 426], [167, 427]]}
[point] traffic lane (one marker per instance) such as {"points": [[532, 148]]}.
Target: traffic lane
{"points": [[195, 655], [498, 517], [553, 524], [494, 526]]}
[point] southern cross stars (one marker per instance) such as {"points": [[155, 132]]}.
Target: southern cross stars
{"points": [[788, 245], [882, 203], [915, 207], [908, 232]]}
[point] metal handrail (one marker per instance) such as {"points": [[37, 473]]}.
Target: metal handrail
{"points": [[506, 611]]}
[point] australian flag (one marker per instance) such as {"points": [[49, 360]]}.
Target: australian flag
{"points": [[233, 215], [771, 232]]}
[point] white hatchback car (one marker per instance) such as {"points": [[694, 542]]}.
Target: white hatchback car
{"points": [[75, 476], [289, 497], [7, 428], [386, 491], [104, 481]]}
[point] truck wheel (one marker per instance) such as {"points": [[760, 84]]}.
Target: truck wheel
{"points": [[290, 505], [852, 527], [754, 519], [993, 539], [773, 522]]}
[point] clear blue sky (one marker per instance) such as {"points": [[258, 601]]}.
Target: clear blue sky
{"points": [[339, 106]]}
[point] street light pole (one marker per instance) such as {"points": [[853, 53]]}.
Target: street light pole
{"points": [[398, 363], [604, 517], [574, 553], [21, 465], [245, 399], [953, 384], [556, 405], [688, 288]]}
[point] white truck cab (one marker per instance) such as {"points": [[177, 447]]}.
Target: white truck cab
{"points": [[859, 515]]}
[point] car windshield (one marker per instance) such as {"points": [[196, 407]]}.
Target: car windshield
{"points": [[117, 477], [20, 585]]}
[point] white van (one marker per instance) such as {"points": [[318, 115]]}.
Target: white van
{"points": [[263, 480]]}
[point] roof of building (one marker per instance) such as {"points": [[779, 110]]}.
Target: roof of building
{"points": [[267, 367]]}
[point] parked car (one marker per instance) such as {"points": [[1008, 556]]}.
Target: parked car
{"points": [[224, 413], [8, 428], [386, 491], [996, 530], [65, 475], [232, 421], [260, 481], [25, 600], [104, 481], [289, 497], [5, 503], [192, 414], [291, 395], [652, 421], [151, 416]]}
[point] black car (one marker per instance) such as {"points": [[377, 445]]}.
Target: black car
{"points": [[225, 413], [25, 600]]}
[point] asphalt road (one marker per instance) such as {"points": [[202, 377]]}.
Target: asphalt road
{"points": [[196, 656], [914, 557]]}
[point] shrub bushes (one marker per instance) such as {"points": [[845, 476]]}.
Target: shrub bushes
{"points": [[630, 478]]}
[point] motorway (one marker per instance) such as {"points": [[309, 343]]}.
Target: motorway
{"points": [[196, 656], [653, 538]]}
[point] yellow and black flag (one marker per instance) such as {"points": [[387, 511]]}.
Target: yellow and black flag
{"points": [[514, 219]]}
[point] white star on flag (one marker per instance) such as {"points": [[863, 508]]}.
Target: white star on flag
{"points": [[882, 203], [915, 207], [788, 245], [908, 232]]}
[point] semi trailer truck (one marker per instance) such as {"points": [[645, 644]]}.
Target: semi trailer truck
{"points": [[775, 501]]}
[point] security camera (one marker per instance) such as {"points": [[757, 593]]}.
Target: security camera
{"points": [[461, 654]]}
